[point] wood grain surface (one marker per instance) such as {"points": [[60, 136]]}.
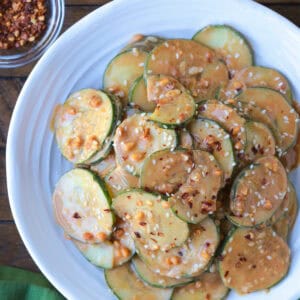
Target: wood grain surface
{"points": [[12, 250]]}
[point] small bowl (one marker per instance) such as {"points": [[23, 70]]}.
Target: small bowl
{"points": [[13, 58]]}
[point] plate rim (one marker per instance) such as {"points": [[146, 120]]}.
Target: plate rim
{"points": [[12, 135]]}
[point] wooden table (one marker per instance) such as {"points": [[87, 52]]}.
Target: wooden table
{"points": [[12, 249]]}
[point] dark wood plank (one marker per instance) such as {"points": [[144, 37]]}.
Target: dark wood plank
{"points": [[12, 249], [291, 12], [87, 2], [101, 2], [9, 91], [282, 2], [5, 212]]}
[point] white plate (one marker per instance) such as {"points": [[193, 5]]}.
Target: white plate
{"points": [[77, 60]]}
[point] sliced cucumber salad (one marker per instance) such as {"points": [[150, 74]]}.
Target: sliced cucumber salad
{"points": [[180, 185]]}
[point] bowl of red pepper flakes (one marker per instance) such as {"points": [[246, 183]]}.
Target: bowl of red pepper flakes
{"points": [[27, 29]]}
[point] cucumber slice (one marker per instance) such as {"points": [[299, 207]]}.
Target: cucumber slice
{"points": [[83, 123], [105, 166], [229, 44], [185, 139], [144, 42], [253, 260], [119, 179], [260, 141], [100, 255], [127, 286], [210, 136], [281, 227], [136, 138], [283, 115], [293, 205], [196, 198], [174, 104], [146, 214], [121, 72], [165, 171], [107, 145], [189, 260], [214, 78], [252, 112], [110, 253], [256, 76], [154, 279], [208, 286], [282, 210], [138, 96], [82, 206], [228, 118], [257, 192], [182, 59]]}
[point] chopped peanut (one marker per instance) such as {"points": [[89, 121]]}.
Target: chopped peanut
{"points": [[88, 236], [95, 101], [139, 216], [230, 101], [116, 244], [204, 83], [165, 204], [92, 143], [118, 253], [173, 93], [137, 37], [149, 203], [155, 247], [274, 167], [125, 252], [137, 156], [205, 255], [101, 236], [164, 81], [139, 203], [238, 146], [71, 110], [146, 133], [209, 140], [268, 205], [244, 191], [75, 142], [120, 131], [218, 172], [237, 85], [236, 130], [128, 146], [173, 260], [198, 284], [127, 217]]}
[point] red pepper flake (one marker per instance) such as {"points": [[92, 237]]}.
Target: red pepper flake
{"points": [[76, 215], [21, 22], [143, 223], [226, 274], [201, 108], [137, 234], [107, 210]]}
